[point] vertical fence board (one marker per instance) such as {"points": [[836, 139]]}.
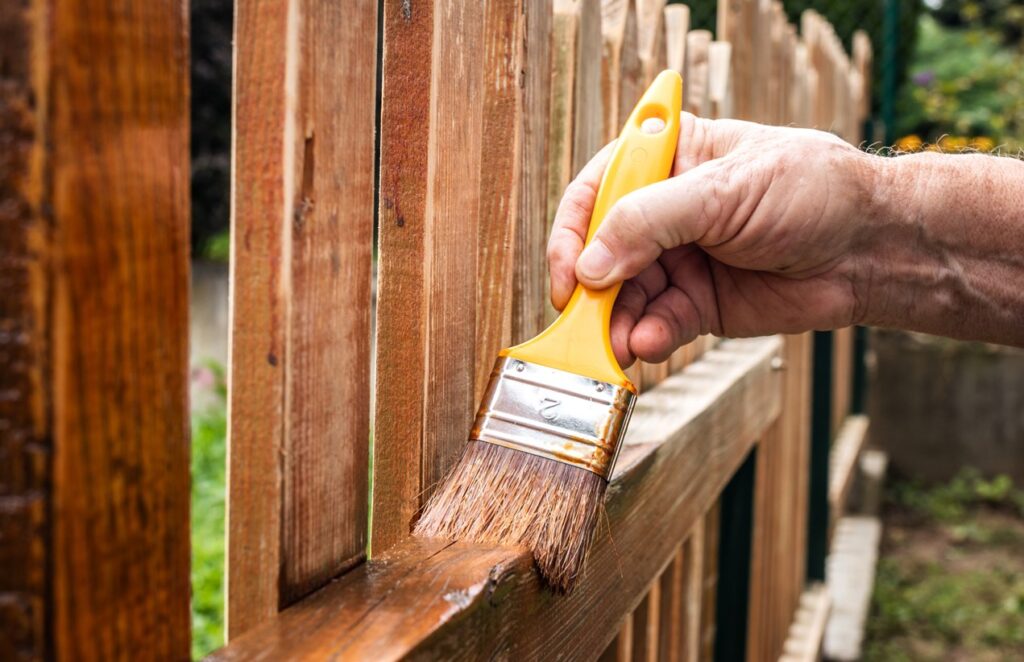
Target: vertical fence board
{"points": [[530, 278], [256, 408], [94, 211], [301, 281], [588, 111], [499, 181], [401, 272], [671, 609]]}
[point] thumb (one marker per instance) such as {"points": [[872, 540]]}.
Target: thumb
{"points": [[653, 219]]}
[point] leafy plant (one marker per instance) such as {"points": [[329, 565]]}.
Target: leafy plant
{"points": [[209, 428]]}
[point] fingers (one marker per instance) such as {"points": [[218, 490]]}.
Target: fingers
{"points": [[569, 230], [656, 218]]}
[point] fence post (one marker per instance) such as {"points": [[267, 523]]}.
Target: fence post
{"points": [[94, 219]]}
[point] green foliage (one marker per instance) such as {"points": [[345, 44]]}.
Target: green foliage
{"points": [[217, 247], [964, 82], [209, 428], [952, 502]]}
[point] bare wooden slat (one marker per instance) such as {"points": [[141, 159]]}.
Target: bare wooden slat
{"points": [[677, 24], [693, 592], [843, 458], [565, 29], [671, 608], [427, 280], [613, 36], [499, 164], [842, 375], [646, 625], [709, 583], [94, 219], [530, 278], [588, 111], [631, 81], [687, 439], [301, 281], [720, 94], [650, 22], [697, 101], [736, 21]]}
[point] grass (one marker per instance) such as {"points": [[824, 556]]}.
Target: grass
{"points": [[209, 454], [950, 584]]}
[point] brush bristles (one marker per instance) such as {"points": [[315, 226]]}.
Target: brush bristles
{"points": [[498, 495]]}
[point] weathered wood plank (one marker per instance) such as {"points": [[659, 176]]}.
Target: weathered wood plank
{"points": [[646, 625], [94, 215], [301, 319], [588, 106], [677, 24], [670, 647], [613, 36], [530, 280], [499, 164], [843, 459], [257, 333], [693, 592], [697, 100], [427, 276], [650, 23], [687, 438]]}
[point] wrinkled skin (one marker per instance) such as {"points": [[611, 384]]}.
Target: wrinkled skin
{"points": [[765, 230]]}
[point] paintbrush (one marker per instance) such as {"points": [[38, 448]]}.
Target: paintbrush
{"points": [[553, 416]]}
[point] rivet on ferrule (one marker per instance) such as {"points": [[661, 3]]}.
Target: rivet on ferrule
{"points": [[554, 414]]}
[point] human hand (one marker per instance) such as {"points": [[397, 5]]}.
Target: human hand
{"points": [[758, 231]]}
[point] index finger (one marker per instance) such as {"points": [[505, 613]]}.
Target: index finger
{"points": [[569, 228]]}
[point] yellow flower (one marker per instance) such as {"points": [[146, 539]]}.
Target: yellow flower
{"points": [[910, 143], [983, 143], [952, 143]]}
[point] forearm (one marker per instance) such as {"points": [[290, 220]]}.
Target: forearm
{"points": [[948, 247]]}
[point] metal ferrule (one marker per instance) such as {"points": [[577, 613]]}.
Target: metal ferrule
{"points": [[554, 414]]}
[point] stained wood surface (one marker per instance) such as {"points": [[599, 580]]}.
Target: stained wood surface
{"points": [[304, 119], [434, 599], [94, 214], [427, 278], [26, 441]]}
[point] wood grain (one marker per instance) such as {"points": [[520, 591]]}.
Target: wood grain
{"points": [[697, 100], [431, 138], [677, 24], [685, 442], [304, 121], [530, 279], [499, 164], [94, 213], [26, 441], [650, 23], [588, 110], [613, 37], [670, 646]]}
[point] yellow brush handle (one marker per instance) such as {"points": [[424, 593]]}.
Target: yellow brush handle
{"points": [[579, 340]]}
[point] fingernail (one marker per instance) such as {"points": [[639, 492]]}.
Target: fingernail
{"points": [[596, 261]]}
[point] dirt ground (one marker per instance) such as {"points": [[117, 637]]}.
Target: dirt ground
{"points": [[950, 582]]}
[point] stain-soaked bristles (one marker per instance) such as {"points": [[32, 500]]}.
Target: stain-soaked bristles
{"points": [[508, 497]]}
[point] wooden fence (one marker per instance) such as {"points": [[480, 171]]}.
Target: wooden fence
{"points": [[486, 111]]}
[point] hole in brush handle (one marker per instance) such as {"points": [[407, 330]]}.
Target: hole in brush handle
{"points": [[652, 125]]}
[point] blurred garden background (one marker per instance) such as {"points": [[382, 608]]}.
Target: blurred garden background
{"points": [[949, 75]]}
